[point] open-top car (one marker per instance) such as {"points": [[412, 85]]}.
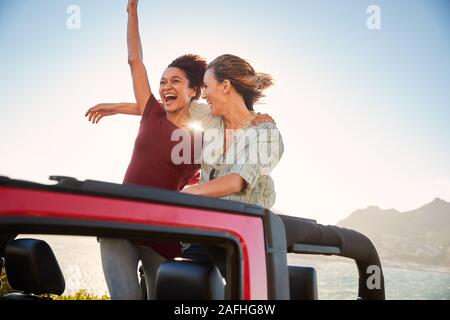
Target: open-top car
{"points": [[254, 241]]}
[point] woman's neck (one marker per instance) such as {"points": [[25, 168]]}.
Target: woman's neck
{"points": [[180, 117], [237, 116]]}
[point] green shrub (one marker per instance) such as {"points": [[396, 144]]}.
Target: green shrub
{"points": [[5, 288], [79, 295]]}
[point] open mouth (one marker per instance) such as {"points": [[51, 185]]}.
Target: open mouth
{"points": [[169, 97]]}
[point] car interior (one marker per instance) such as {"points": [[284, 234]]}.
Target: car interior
{"points": [[34, 273]]}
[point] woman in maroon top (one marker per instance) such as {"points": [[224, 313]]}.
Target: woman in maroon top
{"points": [[151, 163]]}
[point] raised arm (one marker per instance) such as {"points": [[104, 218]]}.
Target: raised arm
{"points": [[141, 84]]}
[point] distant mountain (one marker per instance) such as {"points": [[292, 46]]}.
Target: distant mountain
{"points": [[420, 236], [434, 216]]}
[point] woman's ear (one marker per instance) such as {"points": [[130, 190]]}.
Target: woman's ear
{"points": [[226, 86], [192, 92]]}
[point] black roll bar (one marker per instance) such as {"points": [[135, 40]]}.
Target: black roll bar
{"points": [[308, 237]]}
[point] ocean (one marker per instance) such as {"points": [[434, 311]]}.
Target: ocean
{"points": [[337, 279]]}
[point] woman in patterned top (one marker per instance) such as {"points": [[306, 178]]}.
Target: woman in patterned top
{"points": [[237, 159]]}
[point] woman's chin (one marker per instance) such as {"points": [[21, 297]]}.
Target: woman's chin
{"points": [[172, 107], [175, 106]]}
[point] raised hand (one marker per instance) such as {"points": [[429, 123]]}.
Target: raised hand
{"points": [[132, 4]]}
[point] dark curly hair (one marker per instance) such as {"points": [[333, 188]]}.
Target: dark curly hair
{"points": [[194, 66]]}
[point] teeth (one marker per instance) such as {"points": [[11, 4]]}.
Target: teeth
{"points": [[169, 95]]}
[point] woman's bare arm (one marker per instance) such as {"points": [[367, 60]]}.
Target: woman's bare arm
{"points": [[218, 188], [108, 109], [141, 84]]}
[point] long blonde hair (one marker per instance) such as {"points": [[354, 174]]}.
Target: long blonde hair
{"points": [[242, 76]]}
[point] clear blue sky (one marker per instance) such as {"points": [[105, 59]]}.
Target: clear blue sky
{"points": [[364, 113]]}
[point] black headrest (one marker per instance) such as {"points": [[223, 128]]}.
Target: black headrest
{"points": [[303, 283], [188, 280], [4, 239], [31, 267]]}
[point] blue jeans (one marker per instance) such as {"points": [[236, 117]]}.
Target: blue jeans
{"points": [[120, 258], [207, 253]]}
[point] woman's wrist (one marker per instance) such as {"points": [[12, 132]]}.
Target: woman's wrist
{"points": [[132, 7]]}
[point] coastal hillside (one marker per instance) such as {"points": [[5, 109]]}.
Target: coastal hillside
{"points": [[418, 237]]}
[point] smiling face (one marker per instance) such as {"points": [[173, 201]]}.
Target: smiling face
{"points": [[214, 93], [174, 90]]}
